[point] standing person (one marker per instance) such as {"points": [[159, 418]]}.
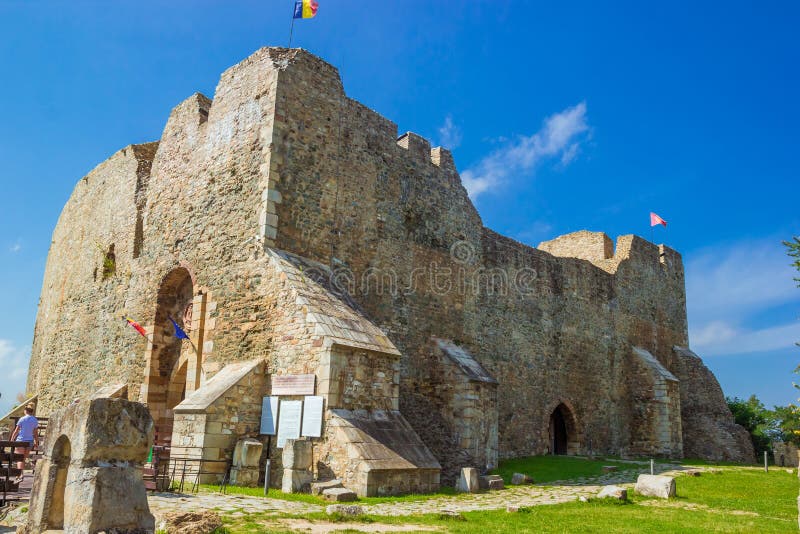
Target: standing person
{"points": [[26, 431]]}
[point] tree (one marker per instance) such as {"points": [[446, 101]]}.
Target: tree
{"points": [[760, 423], [788, 418], [794, 252]]}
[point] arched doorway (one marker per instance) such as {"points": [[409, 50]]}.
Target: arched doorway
{"points": [[563, 434], [60, 462], [166, 383]]}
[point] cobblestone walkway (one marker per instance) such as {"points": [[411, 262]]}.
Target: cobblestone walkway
{"points": [[231, 505], [551, 493]]}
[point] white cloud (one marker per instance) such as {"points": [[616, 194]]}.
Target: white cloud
{"points": [[16, 247], [730, 282], [719, 338], [449, 134], [14, 362], [559, 137], [727, 286]]}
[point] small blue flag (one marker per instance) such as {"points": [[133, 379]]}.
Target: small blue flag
{"points": [[179, 333]]}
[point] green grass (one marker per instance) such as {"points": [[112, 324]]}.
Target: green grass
{"points": [[273, 493], [772, 494], [312, 499], [736, 499], [552, 468]]}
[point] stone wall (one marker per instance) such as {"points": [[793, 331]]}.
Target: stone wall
{"points": [[785, 454], [281, 176]]}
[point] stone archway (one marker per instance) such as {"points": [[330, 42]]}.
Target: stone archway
{"points": [[166, 381], [563, 431]]}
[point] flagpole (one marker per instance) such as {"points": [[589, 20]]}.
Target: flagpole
{"points": [[291, 30]]}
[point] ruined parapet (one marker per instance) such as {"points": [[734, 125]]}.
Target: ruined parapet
{"points": [[708, 427], [90, 478], [584, 245], [93, 254]]}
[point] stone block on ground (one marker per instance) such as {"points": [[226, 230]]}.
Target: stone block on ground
{"points": [[296, 480], [247, 453], [349, 510], [511, 508], [318, 487], [610, 468], [655, 486], [496, 484], [485, 482], [296, 454], [613, 492], [468, 482], [520, 478], [339, 495]]}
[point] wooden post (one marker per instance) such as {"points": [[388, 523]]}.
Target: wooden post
{"points": [[652, 466], [766, 469]]}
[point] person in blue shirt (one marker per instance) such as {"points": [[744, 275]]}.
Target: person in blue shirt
{"points": [[26, 431]]}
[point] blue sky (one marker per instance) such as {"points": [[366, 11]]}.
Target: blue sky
{"points": [[561, 116]]}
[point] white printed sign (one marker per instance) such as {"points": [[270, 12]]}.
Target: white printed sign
{"points": [[312, 417], [269, 415], [289, 421]]}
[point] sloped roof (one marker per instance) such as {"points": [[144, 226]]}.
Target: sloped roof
{"points": [[464, 360], [200, 399], [331, 309], [654, 364], [383, 439]]}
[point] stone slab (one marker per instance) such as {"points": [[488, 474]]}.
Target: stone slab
{"points": [[655, 486]]}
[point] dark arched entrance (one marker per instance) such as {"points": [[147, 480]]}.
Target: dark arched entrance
{"points": [[166, 384], [563, 436]]}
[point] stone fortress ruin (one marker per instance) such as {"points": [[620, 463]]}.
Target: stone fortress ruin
{"points": [[296, 239]]}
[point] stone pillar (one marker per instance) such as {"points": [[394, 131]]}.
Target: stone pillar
{"points": [[246, 460], [296, 458], [90, 478]]}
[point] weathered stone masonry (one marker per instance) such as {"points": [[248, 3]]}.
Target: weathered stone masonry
{"points": [[284, 222]]}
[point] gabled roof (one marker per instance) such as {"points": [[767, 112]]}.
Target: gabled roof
{"points": [[331, 309], [464, 360]]}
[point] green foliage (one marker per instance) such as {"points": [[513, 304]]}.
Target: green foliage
{"points": [[793, 251], [762, 424], [788, 418]]}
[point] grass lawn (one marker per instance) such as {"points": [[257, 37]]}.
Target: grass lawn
{"points": [[737, 499], [551, 468]]}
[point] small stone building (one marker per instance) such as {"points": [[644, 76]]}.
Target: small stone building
{"points": [[785, 453], [291, 232]]}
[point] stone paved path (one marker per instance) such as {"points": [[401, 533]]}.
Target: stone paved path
{"points": [[551, 493]]}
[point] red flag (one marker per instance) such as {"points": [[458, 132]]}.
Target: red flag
{"points": [[136, 326], [656, 220]]}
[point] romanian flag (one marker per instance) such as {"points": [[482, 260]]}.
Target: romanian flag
{"points": [[136, 326], [305, 9]]}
